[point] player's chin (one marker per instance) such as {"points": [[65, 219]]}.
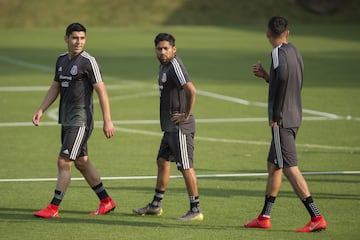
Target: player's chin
{"points": [[77, 51], [164, 60]]}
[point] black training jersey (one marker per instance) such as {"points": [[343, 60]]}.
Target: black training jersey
{"points": [[172, 77], [285, 84], [76, 77]]}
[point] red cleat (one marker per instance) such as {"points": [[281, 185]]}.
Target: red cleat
{"points": [[106, 205], [259, 222], [51, 211], [316, 224]]}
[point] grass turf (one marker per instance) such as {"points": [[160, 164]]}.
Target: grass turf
{"points": [[219, 61]]}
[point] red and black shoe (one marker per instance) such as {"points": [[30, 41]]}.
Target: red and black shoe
{"points": [[106, 205], [259, 222]]}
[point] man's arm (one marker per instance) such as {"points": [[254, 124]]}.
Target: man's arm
{"points": [[190, 93], [260, 72], [280, 88], [50, 97], [108, 126]]}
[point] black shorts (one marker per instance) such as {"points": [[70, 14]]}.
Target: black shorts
{"points": [[74, 141], [282, 149], [178, 147]]}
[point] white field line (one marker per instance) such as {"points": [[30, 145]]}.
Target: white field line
{"points": [[260, 104], [321, 115], [45, 88], [177, 176], [153, 93], [208, 139], [238, 141], [53, 113], [200, 92], [25, 64]]}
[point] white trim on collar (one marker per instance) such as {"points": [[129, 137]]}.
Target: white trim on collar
{"points": [[275, 56]]}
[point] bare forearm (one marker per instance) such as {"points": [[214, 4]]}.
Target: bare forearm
{"points": [[190, 95], [190, 104], [108, 127], [50, 97], [260, 72], [104, 104]]}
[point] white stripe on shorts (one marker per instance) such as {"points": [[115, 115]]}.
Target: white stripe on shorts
{"points": [[183, 151], [77, 144], [279, 158]]}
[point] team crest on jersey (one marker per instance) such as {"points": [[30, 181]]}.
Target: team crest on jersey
{"points": [[164, 78], [60, 69], [74, 70]]}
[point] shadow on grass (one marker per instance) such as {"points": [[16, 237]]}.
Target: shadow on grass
{"points": [[227, 187], [21, 215], [24, 215]]}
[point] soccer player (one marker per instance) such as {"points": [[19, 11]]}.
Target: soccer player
{"points": [[76, 75], [285, 115], [177, 98]]}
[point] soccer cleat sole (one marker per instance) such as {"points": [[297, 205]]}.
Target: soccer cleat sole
{"points": [[199, 217], [149, 214], [53, 216], [96, 214]]}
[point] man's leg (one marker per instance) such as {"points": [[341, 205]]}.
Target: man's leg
{"points": [[192, 189], [274, 180], [92, 177], [190, 181], [300, 186], [272, 189], [297, 181], [63, 181], [89, 172], [163, 174], [163, 178], [162, 181]]}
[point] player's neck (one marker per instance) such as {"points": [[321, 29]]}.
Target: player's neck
{"points": [[72, 55], [278, 41]]}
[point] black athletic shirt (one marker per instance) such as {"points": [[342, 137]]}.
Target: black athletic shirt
{"points": [[285, 84], [76, 78], [172, 77]]}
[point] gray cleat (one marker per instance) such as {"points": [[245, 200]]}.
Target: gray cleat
{"points": [[149, 210]]}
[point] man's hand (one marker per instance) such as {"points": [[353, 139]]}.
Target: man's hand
{"points": [[178, 118], [274, 125], [36, 117], [259, 71], [108, 129]]}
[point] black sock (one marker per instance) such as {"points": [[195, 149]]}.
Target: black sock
{"points": [[268, 205], [194, 203], [158, 197], [311, 207], [58, 196], [100, 191]]}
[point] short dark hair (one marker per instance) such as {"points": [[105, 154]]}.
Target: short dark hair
{"points": [[75, 27], [164, 37], [277, 25]]}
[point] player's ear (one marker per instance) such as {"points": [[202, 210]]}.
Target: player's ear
{"points": [[268, 34], [66, 39]]}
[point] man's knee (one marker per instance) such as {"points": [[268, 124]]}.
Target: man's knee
{"points": [[81, 163], [162, 163], [64, 163]]}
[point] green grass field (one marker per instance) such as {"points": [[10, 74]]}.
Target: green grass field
{"points": [[232, 135]]}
